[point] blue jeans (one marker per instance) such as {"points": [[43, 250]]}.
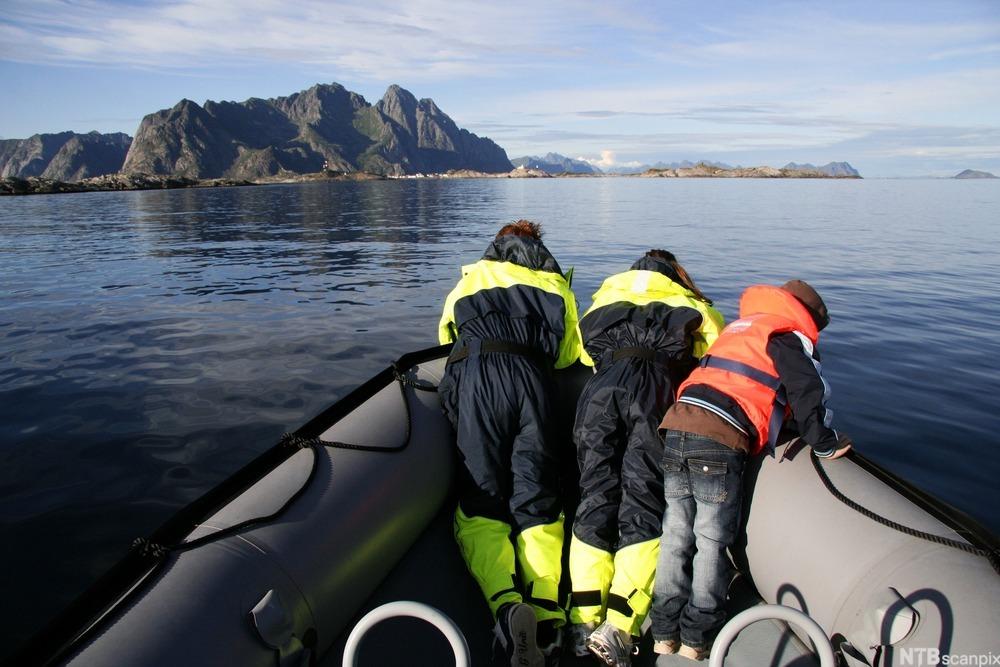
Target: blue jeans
{"points": [[702, 484]]}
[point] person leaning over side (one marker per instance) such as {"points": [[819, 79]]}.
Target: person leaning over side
{"points": [[762, 370], [513, 319], [642, 334]]}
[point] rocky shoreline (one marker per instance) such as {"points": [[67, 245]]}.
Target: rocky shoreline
{"points": [[709, 171], [34, 185], [700, 170], [118, 182]]}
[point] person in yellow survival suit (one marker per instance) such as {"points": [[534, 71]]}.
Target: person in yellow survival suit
{"points": [[513, 319], [643, 334]]}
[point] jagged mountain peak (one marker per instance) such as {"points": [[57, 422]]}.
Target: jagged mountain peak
{"points": [[398, 103], [397, 97], [428, 105], [185, 104], [396, 91], [556, 163], [554, 157], [401, 106], [325, 125], [320, 93], [185, 111], [65, 156], [830, 168]]}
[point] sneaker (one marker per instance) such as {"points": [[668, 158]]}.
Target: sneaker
{"points": [[515, 635], [576, 638], [612, 645], [666, 646], [692, 653]]}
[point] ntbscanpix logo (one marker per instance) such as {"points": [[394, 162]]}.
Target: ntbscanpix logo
{"points": [[921, 657]]}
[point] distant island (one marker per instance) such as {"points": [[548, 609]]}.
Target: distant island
{"points": [[708, 171], [972, 173], [696, 170], [556, 164], [834, 169]]}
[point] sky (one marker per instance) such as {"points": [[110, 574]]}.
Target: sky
{"points": [[895, 88]]}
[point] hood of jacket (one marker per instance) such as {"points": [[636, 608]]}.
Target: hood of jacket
{"points": [[648, 263], [523, 251], [811, 299]]}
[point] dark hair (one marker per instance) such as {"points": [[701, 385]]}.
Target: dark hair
{"points": [[686, 280], [527, 228]]}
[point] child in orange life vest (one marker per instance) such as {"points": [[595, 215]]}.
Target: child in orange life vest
{"points": [[763, 368]]}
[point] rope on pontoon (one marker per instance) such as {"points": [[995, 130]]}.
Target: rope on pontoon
{"points": [[990, 555], [158, 551]]}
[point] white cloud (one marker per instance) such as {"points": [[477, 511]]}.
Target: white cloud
{"points": [[807, 36], [608, 159], [378, 40], [965, 52]]}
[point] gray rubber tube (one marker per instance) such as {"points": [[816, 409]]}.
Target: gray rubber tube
{"points": [[824, 650], [405, 608]]}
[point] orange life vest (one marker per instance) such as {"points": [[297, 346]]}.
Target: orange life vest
{"points": [[737, 363]]}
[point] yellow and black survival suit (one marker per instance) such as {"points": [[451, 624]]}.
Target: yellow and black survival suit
{"points": [[513, 319], [642, 334]]}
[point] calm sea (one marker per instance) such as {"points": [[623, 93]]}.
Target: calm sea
{"points": [[153, 342]]}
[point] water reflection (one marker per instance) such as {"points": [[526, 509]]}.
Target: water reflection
{"points": [[152, 342]]}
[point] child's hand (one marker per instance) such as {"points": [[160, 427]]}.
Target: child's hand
{"points": [[844, 445]]}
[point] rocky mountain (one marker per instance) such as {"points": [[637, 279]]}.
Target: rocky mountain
{"points": [[554, 163], [66, 156], [972, 173], [326, 126], [830, 168]]}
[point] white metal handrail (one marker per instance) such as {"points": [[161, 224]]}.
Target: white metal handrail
{"points": [[413, 609], [824, 649]]}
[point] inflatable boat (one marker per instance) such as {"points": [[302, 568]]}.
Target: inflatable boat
{"points": [[278, 563]]}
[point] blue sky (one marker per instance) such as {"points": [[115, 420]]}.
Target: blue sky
{"points": [[897, 89]]}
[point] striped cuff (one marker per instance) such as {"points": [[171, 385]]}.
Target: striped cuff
{"points": [[714, 409]]}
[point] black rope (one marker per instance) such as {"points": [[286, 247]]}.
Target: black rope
{"points": [[403, 382], [403, 379], [289, 440], [149, 549], [156, 551], [989, 554]]}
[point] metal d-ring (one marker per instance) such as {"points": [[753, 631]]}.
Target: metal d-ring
{"points": [[415, 610], [824, 649]]}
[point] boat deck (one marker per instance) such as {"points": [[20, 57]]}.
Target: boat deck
{"points": [[433, 572]]}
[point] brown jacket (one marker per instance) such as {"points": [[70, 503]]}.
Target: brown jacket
{"points": [[692, 419]]}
